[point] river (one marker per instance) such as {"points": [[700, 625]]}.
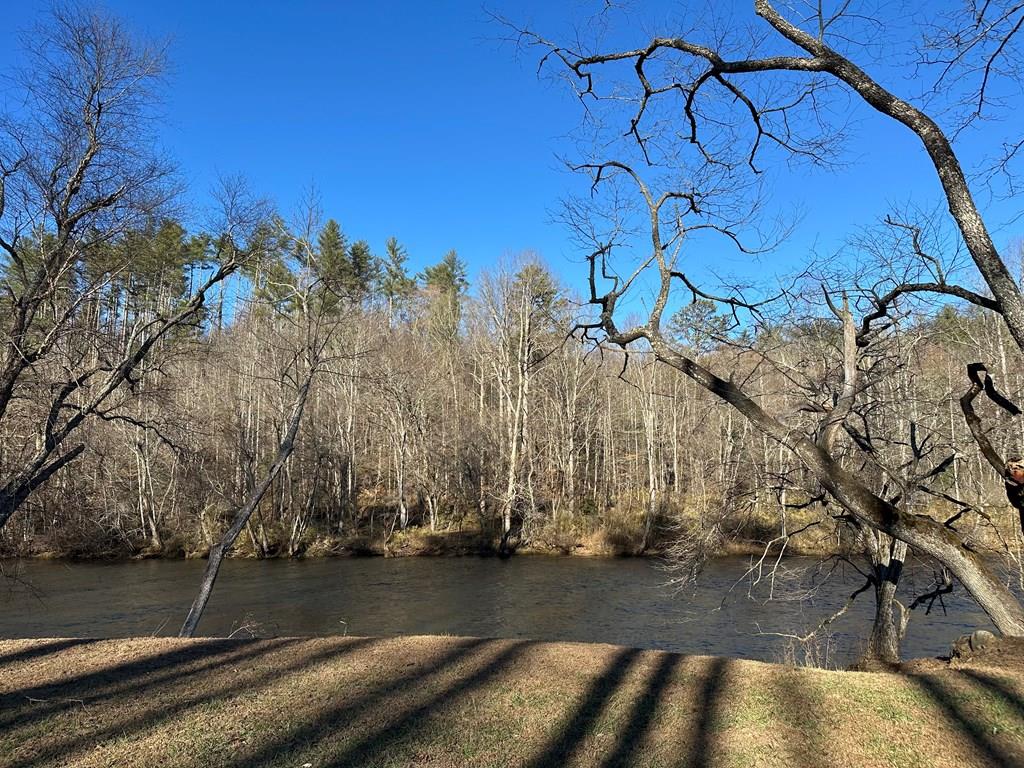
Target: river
{"points": [[621, 601]]}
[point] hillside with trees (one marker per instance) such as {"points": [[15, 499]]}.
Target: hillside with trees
{"points": [[447, 415]]}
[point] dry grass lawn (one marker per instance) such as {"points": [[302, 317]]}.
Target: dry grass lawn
{"points": [[440, 701]]}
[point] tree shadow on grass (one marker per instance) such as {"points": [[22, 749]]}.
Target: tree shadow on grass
{"points": [[969, 724], [1000, 688], [340, 716], [41, 649], [364, 749], [394, 710], [170, 704], [710, 702], [574, 730], [803, 711], [626, 749], [378, 718], [28, 705], [135, 684]]}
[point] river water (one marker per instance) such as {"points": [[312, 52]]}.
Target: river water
{"points": [[621, 601]]}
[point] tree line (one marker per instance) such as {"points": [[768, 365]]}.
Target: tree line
{"points": [[442, 407]]}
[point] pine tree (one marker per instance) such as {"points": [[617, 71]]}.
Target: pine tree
{"points": [[363, 273], [332, 256], [396, 285], [448, 276], [332, 245], [446, 283], [699, 326]]}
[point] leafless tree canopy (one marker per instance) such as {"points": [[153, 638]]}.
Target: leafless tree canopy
{"points": [[703, 114]]}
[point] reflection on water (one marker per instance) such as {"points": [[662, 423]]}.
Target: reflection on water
{"points": [[617, 601]]}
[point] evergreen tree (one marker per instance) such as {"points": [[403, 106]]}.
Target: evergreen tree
{"points": [[363, 273], [537, 284], [331, 265], [543, 308], [446, 283], [699, 326], [396, 285], [348, 271], [448, 276], [332, 253], [274, 279]]}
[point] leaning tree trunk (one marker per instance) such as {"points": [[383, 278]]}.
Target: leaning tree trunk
{"points": [[925, 535], [195, 613]]}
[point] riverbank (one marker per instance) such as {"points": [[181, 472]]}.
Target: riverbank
{"points": [[440, 701], [413, 542]]}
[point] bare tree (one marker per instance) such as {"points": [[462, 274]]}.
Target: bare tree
{"points": [[779, 95], [301, 305], [77, 174], [815, 449]]}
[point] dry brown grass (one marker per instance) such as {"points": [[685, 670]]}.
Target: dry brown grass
{"points": [[437, 701]]}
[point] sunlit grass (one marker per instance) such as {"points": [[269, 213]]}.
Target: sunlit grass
{"points": [[435, 701]]}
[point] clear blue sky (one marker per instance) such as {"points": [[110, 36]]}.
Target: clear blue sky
{"points": [[413, 120]]}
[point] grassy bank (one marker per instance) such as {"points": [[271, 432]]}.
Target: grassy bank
{"points": [[413, 542], [435, 701]]}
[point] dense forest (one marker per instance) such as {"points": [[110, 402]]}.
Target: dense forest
{"points": [[446, 415]]}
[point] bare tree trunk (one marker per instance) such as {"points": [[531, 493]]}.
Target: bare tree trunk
{"points": [[887, 557], [195, 613], [648, 420]]}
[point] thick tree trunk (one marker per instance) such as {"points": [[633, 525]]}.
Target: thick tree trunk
{"points": [[890, 622], [888, 628]]}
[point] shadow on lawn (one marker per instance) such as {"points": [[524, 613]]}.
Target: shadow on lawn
{"points": [[954, 704], [40, 650], [362, 724], [359, 752], [801, 707], [998, 686], [155, 690], [26, 706], [364, 721], [359, 720], [226, 683], [483, 668], [630, 740], [574, 730], [336, 718], [710, 704]]}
